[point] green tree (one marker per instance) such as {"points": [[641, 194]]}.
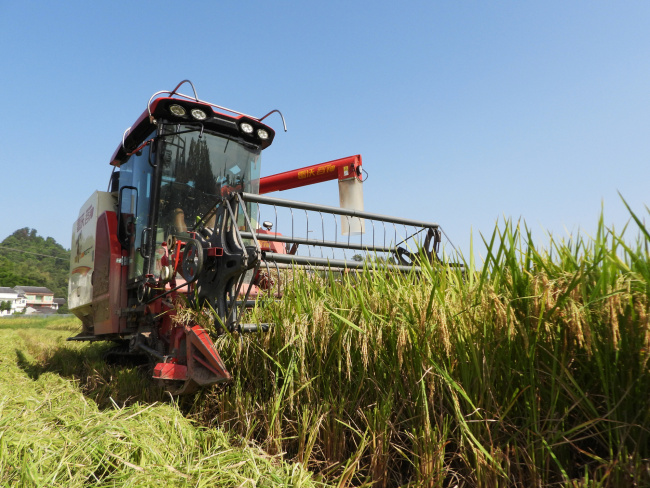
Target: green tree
{"points": [[28, 259]]}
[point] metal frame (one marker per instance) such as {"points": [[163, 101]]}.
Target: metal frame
{"points": [[281, 202]]}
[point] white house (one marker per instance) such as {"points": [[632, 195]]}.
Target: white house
{"points": [[17, 300], [29, 299]]}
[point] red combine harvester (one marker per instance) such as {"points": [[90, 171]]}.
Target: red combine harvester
{"points": [[183, 216]]}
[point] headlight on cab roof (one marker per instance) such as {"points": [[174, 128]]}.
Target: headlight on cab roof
{"points": [[177, 110], [262, 134], [246, 127], [198, 114]]}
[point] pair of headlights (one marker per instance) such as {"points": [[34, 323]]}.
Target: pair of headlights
{"points": [[199, 114], [248, 129], [180, 111]]}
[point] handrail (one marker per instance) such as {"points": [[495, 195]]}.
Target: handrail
{"points": [[196, 99]]}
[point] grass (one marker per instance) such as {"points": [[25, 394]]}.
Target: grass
{"points": [[529, 370]]}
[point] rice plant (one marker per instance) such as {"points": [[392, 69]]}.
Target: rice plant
{"points": [[529, 370]]}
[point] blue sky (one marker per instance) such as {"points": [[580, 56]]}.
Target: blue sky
{"points": [[465, 112]]}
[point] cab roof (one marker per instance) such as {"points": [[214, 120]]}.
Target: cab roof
{"points": [[160, 108]]}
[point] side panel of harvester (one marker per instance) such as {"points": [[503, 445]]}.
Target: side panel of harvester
{"points": [[95, 287]]}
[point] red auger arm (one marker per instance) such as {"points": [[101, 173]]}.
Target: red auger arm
{"points": [[341, 169]]}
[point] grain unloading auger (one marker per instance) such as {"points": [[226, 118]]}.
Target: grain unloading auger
{"points": [[188, 219]]}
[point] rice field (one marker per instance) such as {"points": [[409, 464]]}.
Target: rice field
{"points": [[527, 369]]}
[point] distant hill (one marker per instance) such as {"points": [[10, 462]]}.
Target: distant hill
{"points": [[31, 260]]}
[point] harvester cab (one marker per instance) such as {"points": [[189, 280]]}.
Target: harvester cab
{"points": [[186, 222]]}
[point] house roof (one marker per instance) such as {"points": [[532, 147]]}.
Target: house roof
{"points": [[60, 301], [39, 290], [6, 289]]}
